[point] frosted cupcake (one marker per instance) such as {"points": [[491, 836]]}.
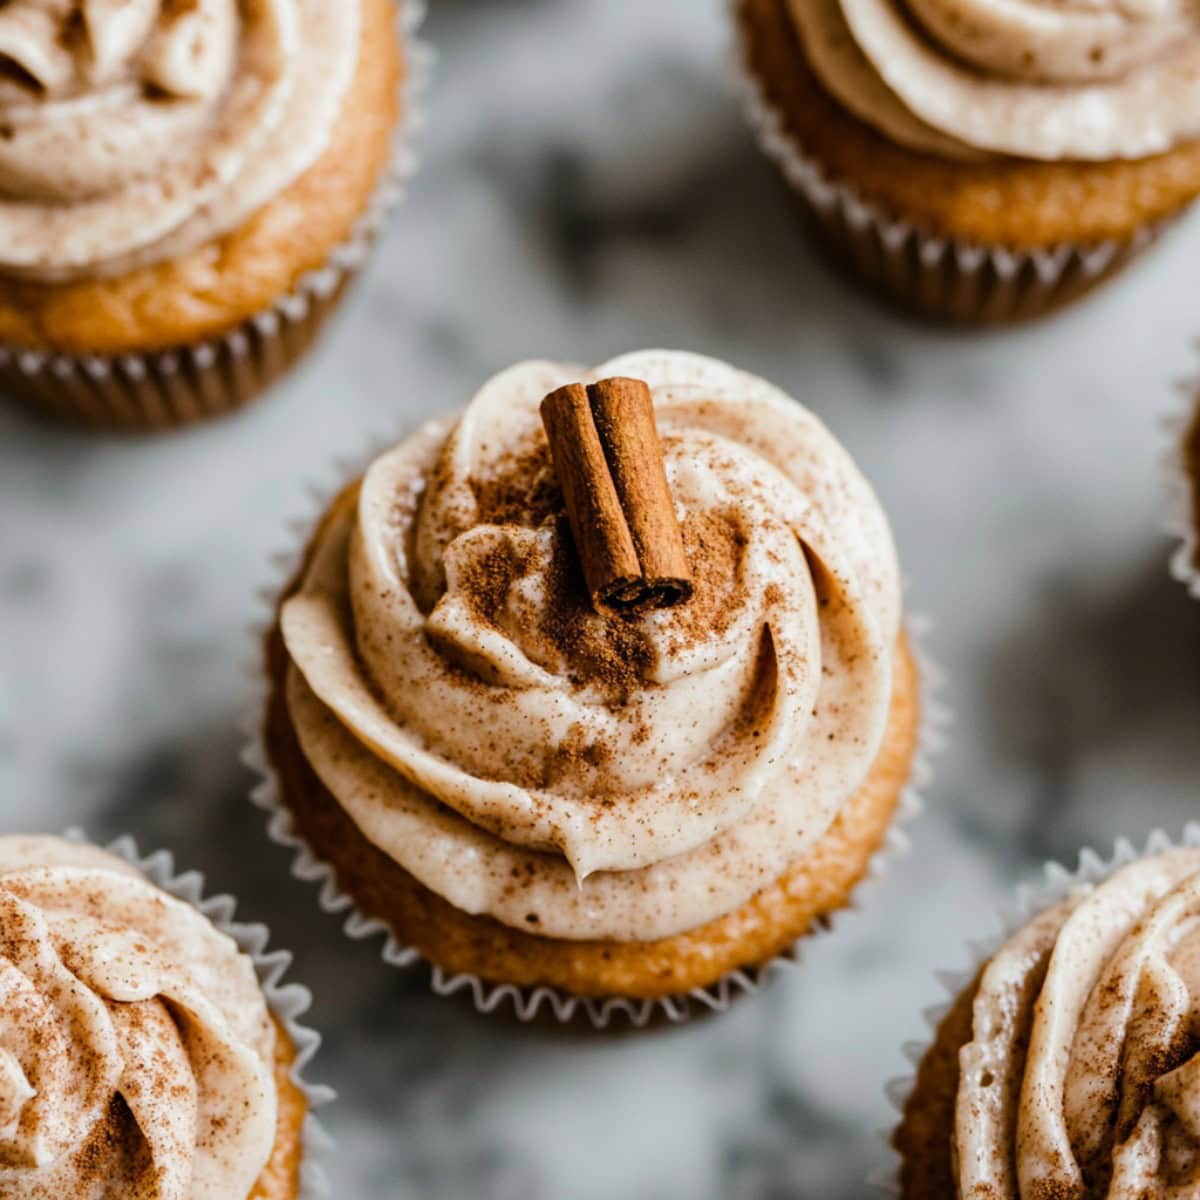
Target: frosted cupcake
{"points": [[185, 190], [1068, 1066], [567, 707], [979, 161], [138, 1054]]}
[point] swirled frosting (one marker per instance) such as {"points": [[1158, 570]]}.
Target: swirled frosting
{"points": [[1037, 79], [132, 131], [1083, 1078], [580, 775], [135, 1043]]}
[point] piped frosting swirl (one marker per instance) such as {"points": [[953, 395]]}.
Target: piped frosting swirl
{"points": [[587, 775], [1083, 1076], [132, 131], [135, 1044], [1037, 79]]}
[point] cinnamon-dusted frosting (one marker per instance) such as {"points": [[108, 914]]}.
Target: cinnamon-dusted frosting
{"points": [[1083, 1078], [135, 1044], [1037, 79], [132, 131], [580, 775]]}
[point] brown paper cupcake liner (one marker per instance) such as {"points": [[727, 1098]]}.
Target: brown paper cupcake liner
{"points": [[287, 1001], [1054, 884], [941, 278], [197, 381], [525, 1002], [1181, 469]]}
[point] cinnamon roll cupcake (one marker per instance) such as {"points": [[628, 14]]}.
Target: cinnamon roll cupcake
{"points": [[1068, 1065], [529, 788], [138, 1053], [185, 191], [979, 162]]}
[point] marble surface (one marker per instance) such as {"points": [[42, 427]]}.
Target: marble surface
{"points": [[588, 187]]}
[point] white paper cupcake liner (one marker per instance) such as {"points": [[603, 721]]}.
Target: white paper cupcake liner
{"points": [[528, 1002], [1181, 490], [288, 1001], [1055, 883], [944, 278], [193, 382]]}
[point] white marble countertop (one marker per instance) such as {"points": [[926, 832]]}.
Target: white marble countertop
{"points": [[588, 187]]}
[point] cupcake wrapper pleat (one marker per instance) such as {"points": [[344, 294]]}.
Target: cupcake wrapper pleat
{"points": [[185, 384], [528, 1003], [944, 279], [288, 1001]]}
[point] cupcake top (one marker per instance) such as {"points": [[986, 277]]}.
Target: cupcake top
{"points": [[136, 1047], [133, 131], [1038, 79], [571, 771], [1083, 1079]]}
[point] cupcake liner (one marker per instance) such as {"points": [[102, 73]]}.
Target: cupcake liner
{"points": [[288, 1001], [528, 1002], [1181, 489], [210, 378], [946, 279], [1055, 883]]}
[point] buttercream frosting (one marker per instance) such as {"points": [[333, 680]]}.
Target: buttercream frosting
{"points": [[1037, 79], [1082, 1078], [136, 1047], [132, 131], [586, 775]]}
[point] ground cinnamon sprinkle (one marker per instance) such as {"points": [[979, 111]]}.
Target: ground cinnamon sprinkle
{"points": [[715, 543], [612, 652], [520, 489]]}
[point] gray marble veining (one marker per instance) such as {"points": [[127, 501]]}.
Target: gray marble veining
{"points": [[588, 187]]}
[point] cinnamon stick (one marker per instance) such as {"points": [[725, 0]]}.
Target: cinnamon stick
{"points": [[610, 465]]}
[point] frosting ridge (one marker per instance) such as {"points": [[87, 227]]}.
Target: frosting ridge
{"points": [[588, 774]]}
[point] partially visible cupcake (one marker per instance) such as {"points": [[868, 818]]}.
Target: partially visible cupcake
{"points": [[185, 191], [1183, 469], [538, 788], [977, 161], [1070, 1065], [138, 1053]]}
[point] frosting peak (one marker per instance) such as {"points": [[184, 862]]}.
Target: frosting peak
{"points": [[135, 1044], [456, 691]]}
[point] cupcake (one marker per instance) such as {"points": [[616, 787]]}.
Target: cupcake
{"points": [[187, 189], [1183, 478], [1068, 1065], [556, 774], [975, 161], [139, 1055]]}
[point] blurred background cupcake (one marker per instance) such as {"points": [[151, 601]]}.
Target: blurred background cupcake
{"points": [[185, 192], [977, 162], [553, 798], [1183, 479], [148, 1045], [1066, 1063]]}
